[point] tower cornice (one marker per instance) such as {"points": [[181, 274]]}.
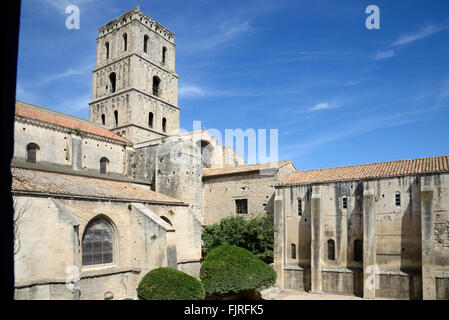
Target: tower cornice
{"points": [[136, 14]]}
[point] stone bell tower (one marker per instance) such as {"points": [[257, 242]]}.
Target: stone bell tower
{"points": [[135, 86]]}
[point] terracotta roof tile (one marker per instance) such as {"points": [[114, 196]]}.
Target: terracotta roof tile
{"points": [[209, 172], [366, 171], [31, 180], [49, 116]]}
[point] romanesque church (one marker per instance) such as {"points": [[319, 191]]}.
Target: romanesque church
{"points": [[100, 202]]}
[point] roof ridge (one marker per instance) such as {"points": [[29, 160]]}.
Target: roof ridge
{"points": [[374, 163]]}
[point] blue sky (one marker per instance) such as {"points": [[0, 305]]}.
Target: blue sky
{"points": [[338, 93]]}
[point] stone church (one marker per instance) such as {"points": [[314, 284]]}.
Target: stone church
{"points": [[100, 202]]}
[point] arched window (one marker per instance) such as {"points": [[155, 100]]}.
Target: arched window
{"points": [[330, 250], [97, 243], [103, 119], [31, 155], [164, 54], [150, 120], [206, 150], [156, 83], [125, 42], [293, 248], [358, 250], [116, 117], [164, 125], [112, 78], [145, 43], [107, 49], [104, 163]]}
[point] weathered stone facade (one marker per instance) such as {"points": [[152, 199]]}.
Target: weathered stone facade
{"points": [[393, 219]]}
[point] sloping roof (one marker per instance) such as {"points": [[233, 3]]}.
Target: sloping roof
{"points": [[209, 172], [367, 171], [29, 111], [37, 181]]}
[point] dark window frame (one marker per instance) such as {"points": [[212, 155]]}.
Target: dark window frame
{"points": [[97, 245], [241, 206], [331, 250]]}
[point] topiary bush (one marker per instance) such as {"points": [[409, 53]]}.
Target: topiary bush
{"points": [[169, 284], [228, 270]]}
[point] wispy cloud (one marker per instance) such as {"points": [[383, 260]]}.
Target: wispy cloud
{"points": [[383, 55], [227, 34], [322, 106], [70, 72], [189, 91], [425, 32]]}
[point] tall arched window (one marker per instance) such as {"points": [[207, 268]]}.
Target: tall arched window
{"points": [[104, 163], [330, 250], [116, 117], [293, 251], [107, 49], [103, 119], [206, 150], [164, 125], [112, 80], [150, 120], [31, 155], [156, 83], [164, 54], [358, 250], [97, 243], [125, 42], [145, 43]]}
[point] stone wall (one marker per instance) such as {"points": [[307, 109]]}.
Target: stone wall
{"points": [[66, 148], [220, 193], [395, 238], [53, 228]]}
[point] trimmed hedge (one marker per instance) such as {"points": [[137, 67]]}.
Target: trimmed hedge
{"points": [[169, 284], [229, 269]]}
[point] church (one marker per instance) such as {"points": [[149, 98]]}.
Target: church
{"points": [[98, 203]]}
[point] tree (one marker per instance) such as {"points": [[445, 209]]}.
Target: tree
{"points": [[19, 210], [255, 235]]}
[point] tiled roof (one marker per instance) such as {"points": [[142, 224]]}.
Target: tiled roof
{"points": [[37, 181], [49, 116], [367, 171], [208, 172]]}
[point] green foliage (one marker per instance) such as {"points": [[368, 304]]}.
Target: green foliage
{"points": [[153, 237], [255, 235], [230, 269], [169, 284], [129, 207]]}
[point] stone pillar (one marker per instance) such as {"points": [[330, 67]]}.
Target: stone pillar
{"points": [[279, 237], [317, 285], [427, 239], [77, 154], [369, 242]]}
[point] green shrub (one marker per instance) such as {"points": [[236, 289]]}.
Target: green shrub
{"points": [[169, 284], [230, 269], [255, 235]]}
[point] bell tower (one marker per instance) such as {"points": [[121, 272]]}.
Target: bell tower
{"points": [[134, 85]]}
